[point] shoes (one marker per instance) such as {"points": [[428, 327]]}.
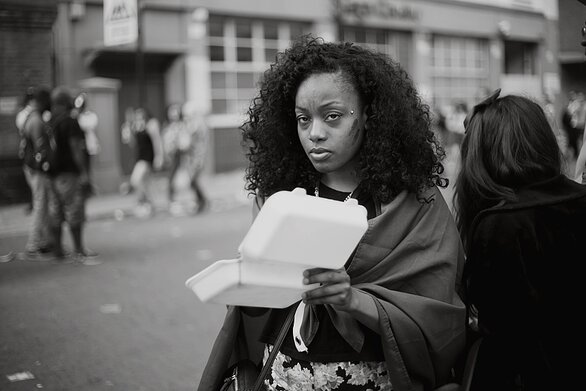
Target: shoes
{"points": [[125, 188], [86, 258], [61, 257], [37, 256], [202, 207], [143, 210], [176, 209], [7, 257]]}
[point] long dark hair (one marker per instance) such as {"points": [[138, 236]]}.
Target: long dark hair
{"points": [[508, 144], [399, 152]]}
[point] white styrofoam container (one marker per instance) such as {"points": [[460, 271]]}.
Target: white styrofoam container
{"points": [[292, 232], [234, 282], [293, 227]]}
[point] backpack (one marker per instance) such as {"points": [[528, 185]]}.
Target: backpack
{"points": [[40, 154]]}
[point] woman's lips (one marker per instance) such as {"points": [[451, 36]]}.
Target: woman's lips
{"points": [[319, 154]]}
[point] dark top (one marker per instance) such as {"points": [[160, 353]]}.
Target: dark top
{"points": [[523, 268], [144, 146], [65, 129], [328, 345]]}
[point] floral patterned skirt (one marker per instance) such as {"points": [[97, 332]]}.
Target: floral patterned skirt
{"points": [[289, 374]]}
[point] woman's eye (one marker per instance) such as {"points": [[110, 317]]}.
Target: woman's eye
{"points": [[301, 119], [333, 116]]}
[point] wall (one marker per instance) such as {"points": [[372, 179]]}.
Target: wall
{"points": [[25, 60]]}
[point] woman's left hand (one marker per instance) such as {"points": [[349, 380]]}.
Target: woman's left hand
{"points": [[335, 288]]}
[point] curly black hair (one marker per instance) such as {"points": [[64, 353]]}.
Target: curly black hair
{"points": [[399, 152]]}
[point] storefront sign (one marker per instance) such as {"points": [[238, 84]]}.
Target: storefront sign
{"points": [[120, 22], [386, 9]]}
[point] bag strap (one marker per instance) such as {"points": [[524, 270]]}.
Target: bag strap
{"points": [[278, 342]]}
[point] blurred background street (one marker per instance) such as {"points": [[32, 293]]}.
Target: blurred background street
{"points": [[128, 323]]}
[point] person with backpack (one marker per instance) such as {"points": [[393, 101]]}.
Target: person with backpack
{"points": [[25, 109], [69, 183], [36, 153]]}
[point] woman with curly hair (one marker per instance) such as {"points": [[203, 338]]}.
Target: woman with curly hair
{"points": [[345, 122], [523, 225]]}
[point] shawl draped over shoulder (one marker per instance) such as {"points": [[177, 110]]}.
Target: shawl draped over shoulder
{"points": [[409, 261]]}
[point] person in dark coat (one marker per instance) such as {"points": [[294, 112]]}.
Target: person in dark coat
{"points": [[523, 224], [69, 185]]}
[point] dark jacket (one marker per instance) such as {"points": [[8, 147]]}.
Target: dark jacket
{"points": [[71, 149], [523, 277]]}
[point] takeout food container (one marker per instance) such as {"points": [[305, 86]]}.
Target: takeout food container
{"points": [[292, 232]]}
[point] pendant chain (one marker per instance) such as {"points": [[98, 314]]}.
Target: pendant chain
{"points": [[316, 192]]}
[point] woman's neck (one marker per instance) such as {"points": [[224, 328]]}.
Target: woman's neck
{"points": [[344, 182]]}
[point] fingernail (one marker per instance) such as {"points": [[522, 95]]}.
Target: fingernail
{"points": [[306, 281]]}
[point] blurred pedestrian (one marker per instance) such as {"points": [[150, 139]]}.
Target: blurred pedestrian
{"points": [[146, 137], [26, 108], [35, 149], [346, 122], [21, 116], [580, 167], [574, 120], [198, 131], [454, 122], [88, 122], [126, 127], [522, 224], [438, 125], [176, 145], [69, 178]]}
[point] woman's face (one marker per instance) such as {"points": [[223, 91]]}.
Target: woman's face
{"points": [[330, 122], [139, 118], [174, 113]]}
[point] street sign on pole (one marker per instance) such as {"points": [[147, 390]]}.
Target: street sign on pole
{"points": [[120, 22]]}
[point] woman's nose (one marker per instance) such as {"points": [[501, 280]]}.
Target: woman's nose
{"points": [[317, 131]]}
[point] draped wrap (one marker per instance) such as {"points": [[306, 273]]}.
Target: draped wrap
{"points": [[409, 261]]}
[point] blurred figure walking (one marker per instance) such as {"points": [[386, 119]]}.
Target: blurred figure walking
{"points": [[176, 144], [573, 121], [146, 138], [198, 130], [455, 123], [69, 178], [88, 122], [21, 116]]}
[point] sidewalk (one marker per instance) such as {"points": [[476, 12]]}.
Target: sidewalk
{"points": [[224, 190]]}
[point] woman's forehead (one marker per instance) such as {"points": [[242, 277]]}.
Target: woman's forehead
{"points": [[325, 88]]}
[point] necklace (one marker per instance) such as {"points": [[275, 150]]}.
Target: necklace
{"points": [[316, 193]]}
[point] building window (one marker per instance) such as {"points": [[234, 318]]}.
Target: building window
{"points": [[395, 44], [459, 69], [520, 58], [240, 50]]}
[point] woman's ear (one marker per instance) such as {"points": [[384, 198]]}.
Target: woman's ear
{"points": [[365, 116]]}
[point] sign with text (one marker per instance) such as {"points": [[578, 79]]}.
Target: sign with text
{"points": [[120, 22]]}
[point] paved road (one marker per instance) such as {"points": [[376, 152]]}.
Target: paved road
{"points": [[127, 324]]}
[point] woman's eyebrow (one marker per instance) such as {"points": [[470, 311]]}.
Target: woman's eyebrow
{"points": [[324, 105]]}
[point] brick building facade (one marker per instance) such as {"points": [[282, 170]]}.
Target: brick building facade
{"points": [[26, 60]]}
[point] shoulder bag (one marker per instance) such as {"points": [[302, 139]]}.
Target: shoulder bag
{"points": [[245, 376]]}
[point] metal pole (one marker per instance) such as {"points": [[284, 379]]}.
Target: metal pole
{"points": [[140, 99]]}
